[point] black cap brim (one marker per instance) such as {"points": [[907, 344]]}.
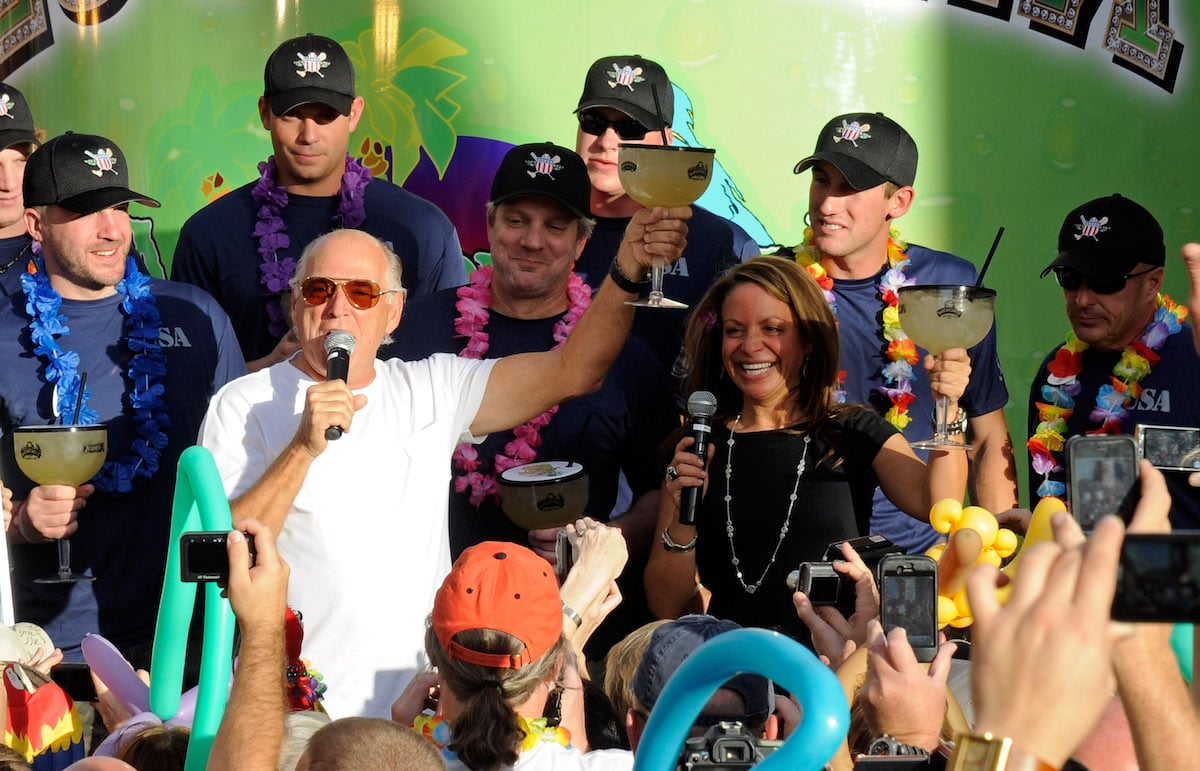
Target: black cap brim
{"points": [[286, 101], [14, 137], [859, 175], [644, 117], [103, 198], [556, 198], [1093, 263]]}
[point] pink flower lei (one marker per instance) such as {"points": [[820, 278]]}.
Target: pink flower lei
{"points": [[271, 230], [474, 309]]}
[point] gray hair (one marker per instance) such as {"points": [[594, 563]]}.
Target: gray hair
{"points": [[586, 224]]}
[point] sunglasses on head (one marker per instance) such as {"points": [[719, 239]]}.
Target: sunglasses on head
{"points": [[1072, 280], [626, 128], [363, 293]]}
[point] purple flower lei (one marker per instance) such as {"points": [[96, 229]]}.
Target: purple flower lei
{"points": [[271, 230], [145, 374]]}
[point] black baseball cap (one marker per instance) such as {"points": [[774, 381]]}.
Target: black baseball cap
{"points": [[1106, 237], [544, 169], [628, 84], [83, 173], [669, 647], [868, 148], [16, 121], [308, 69]]}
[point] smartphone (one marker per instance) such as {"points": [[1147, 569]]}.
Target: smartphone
{"points": [[76, 679], [565, 552], [1102, 477], [1158, 578], [908, 599], [1170, 448], [202, 555]]}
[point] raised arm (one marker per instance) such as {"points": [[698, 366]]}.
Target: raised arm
{"points": [[528, 384], [251, 731]]}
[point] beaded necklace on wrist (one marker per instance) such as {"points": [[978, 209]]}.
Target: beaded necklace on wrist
{"points": [[1124, 386], [783, 530], [474, 307], [144, 375], [271, 198], [900, 350]]}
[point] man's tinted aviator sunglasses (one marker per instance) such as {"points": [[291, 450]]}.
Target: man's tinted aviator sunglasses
{"points": [[362, 293], [626, 128], [1072, 280]]}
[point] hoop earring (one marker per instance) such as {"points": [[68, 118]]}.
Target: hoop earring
{"points": [[808, 219], [804, 367]]}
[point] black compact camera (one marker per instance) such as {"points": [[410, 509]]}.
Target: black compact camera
{"points": [[202, 555], [1158, 578], [726, 745], [870, 548], [823, 586]]}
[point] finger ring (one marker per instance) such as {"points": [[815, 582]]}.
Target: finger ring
{"points": [[672, 473]]}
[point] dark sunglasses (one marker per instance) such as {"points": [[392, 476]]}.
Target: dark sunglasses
{"points": [[626, 128], [1073, 280], [362, 293]]}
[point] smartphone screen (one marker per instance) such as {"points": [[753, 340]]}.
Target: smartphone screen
{"points": [[1102, 477], [1158, 578], [908, 599]]}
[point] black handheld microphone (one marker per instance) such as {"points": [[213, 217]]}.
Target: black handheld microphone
{"points": [[338, 347], [701, 406]]}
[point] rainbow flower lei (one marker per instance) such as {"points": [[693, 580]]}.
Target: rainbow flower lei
{"points": [[474, 308], [435, 729], [1123, 388], [271, 230], [145, 374], [901, 351]]}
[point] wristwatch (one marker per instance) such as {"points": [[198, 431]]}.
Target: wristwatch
{"points": [[985, 752], [890, 745], [956, 426], [625, 282]]}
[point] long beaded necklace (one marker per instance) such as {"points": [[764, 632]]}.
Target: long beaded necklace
{"points": [[783, 531]]}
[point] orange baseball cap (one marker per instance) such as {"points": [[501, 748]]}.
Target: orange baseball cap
{"points": [[502, 586]]}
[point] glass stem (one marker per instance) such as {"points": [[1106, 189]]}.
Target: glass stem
{"points": [[656, 279], [941, 411], [64, 557]]}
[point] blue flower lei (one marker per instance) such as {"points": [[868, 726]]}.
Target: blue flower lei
{"points": [[146, 370]]}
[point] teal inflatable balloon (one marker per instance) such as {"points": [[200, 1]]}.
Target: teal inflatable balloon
{"points": [[826, 715], [1181, 641], [200, 504]]}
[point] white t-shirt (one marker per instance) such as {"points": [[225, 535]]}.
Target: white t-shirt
{"points": [[366, 537]]}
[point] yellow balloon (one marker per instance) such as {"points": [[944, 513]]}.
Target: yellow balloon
{"points": [[944, 514], [989, 557], [961, 603], [981, 521], [1006, 542], [935, 552], [947, 611], [962, 621]]}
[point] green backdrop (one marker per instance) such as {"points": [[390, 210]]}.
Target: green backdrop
{"points": [[1021, 109]]}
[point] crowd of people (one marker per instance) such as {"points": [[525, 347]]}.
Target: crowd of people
{"points": [[437, 632]]}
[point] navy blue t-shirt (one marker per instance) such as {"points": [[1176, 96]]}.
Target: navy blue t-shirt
{"points": [[1168, 398], [14, 260], [714, 245], [122, 538], [627, 420], [217, 252], [860, 332]]}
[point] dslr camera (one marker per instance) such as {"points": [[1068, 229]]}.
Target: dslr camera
{"points": [[726, 745]]}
